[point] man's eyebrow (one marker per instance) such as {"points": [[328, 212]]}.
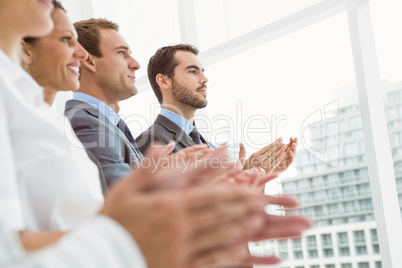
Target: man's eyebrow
{"points": [[194, 67], [123, 47]]}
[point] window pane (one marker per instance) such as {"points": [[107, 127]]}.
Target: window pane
{"points": [[289, 81], [228, 19]]}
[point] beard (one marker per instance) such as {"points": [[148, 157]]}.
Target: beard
{"points": [[185, 96]]}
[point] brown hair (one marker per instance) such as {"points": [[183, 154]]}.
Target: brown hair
{"points": [[57, 5], [164, 62], [89, 34]]}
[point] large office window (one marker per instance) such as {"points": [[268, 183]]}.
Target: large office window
{"points": [[285, 69]]}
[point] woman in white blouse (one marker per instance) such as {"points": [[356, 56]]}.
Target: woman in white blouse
{"points": [[60, 189], [51, 183]]}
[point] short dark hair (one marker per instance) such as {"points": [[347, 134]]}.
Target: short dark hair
{"points": [[89, 34], [164, 62], [57, 5]]}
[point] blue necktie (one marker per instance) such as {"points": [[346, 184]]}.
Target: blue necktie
{"points": [[126, 131]]}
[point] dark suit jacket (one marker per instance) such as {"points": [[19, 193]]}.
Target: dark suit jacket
{"points": [[163, 131], [103, 139]]}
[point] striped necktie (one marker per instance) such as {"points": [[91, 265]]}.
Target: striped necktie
{"points": [[126, 131], [195, 136]]}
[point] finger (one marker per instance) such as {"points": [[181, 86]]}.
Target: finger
{"points": [[291, 158], [169, 147], [212, 196], [253, 178], [285, 201], [198, 154], [287, 161], [282, 227], [237, 256], [233, 256], [158, 149], [220, 215], [242, 151], [293, 148], [273, 146], [242, 164], [231, 232], [217, 177], [271, 163], [195, 148], [274, 153], [184, 173], [217, 215], [268, 260], [262, 180], [291, 145], [210, 170]]}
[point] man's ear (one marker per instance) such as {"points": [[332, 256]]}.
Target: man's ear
{"points": [[26, 54], [89, 62], [163, 81]]}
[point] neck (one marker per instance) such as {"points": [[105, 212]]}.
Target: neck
{"points": [[96, 92], [10, 45], [49, 95], [185, 111]]}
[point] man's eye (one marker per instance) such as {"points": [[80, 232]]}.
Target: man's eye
{"points": [[66, 39], [122, 53]]}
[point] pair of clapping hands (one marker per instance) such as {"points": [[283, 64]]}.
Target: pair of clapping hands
{"points": [[197, 211], [272, 159]]}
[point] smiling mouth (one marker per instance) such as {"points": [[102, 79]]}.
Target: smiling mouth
{"points": [[74, 69]]}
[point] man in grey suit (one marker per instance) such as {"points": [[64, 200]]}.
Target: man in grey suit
{"points": [[178, 81], [107, 77]]}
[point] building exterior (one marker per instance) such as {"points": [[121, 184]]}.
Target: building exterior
{"points": [[333, 187]]}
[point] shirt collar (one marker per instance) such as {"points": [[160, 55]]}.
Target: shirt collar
{"points": [[102, 107], [180, 121], [26, 85]]}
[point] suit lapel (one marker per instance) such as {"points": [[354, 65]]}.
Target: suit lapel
{"points": [[177, 133], [77, 104]]}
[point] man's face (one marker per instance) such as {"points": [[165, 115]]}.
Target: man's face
{"points": [[116, 68], [189, 84]]}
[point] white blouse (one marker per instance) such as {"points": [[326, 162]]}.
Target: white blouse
{"points": [[47, 180], [100, 243]]}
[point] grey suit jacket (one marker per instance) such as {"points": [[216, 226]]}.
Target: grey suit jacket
{"points": [[103, 139], [163, 131]]}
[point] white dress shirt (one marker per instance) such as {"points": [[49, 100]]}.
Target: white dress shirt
{"points": [[50, 183]]}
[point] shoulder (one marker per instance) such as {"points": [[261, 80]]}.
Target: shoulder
{"points": [[81, 113], [152, 134], [156, 133]]}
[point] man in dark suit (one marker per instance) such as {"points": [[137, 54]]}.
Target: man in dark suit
{"points": [[178, 81], [107, 77], [179, 102]]}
